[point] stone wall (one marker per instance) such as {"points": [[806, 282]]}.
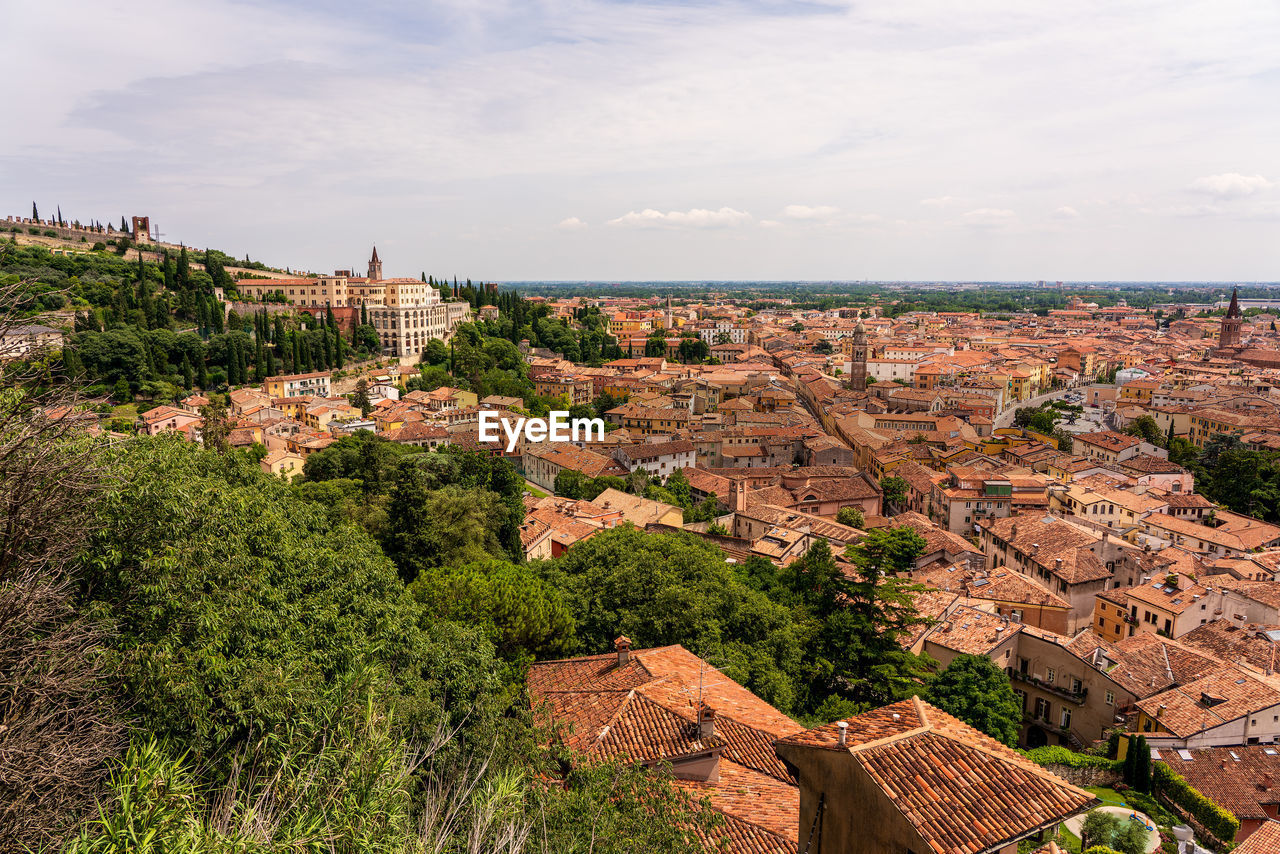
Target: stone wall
{"points": [[1085, 776]]}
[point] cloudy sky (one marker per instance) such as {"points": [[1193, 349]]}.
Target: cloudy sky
{"points": [[900, 139]]}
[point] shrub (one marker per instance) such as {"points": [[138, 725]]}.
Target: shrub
{"points": [[1217, 820], [49, 232], [1056, 755], [98, 246]]}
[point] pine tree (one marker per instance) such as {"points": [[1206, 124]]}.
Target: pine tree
{"points": [[124, 226], [60, 222]]}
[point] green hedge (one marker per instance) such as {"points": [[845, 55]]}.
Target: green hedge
{"points": [[1056, 755], [1219, 822]]}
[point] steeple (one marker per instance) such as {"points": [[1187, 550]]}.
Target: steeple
{"points": [[1229, 332], [375, 266], [1233, 310]]}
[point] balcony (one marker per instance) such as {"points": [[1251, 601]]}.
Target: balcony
{"points": [[1050, 688]]}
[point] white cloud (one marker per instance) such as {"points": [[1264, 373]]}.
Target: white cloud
{"points": [[1231, 185], [1066, 212], [809, 213], [988, 217], [571, 224], [939, 201], [725, 217], [770, 223]]}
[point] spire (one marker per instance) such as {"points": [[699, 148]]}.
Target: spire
{"points": [[1233, 310], [374, 259]]}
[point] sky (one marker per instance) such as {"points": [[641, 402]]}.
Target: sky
{"points": [[527, 140]]}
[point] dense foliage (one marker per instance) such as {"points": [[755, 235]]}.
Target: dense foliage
{"points": [[978, 692]]}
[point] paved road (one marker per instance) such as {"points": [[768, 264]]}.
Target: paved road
{"points": [[1005, 419]]}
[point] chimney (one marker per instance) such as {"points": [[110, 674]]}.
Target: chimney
{"points": [[1035, 548], [706, 721], [623, 646], [843, 738]]}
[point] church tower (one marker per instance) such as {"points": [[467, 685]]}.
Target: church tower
{"points": [[858, 358], [1229, 334], [375, 266]]}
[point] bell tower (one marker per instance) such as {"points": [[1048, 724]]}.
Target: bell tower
{"points": [[858, 358], [1229, 333], [375, 266]]}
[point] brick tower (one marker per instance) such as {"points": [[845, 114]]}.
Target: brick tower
{"points": [[858, 358], [375, 266], [1229, 334]]}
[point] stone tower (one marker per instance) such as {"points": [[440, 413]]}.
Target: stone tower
{"points": [[1229, 334], [858, 358], [375, 266]]}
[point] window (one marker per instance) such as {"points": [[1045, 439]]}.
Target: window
{"points": [[1042, 708], [1065, 719], [1051, 676], [1111, 698], [1076, 685]]}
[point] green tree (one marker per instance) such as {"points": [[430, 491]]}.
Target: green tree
{"points": [[215, 427], [1146, 429], [242, 613], [428, 528], [360, 398], [978, 692], [122, 393], [570, 484], [894, 489], [522, 615], [851, 516]]}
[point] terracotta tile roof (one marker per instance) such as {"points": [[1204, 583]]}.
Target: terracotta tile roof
{"points": [[1146, 664], [1241, 779], [1264, 840], [962, 791], [1208, 702], [646, 710]]}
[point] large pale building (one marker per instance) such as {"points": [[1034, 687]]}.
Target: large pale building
{"points": [[406, 312]]}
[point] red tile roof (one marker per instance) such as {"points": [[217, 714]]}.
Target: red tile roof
{"points": [[646, 710], [963, 792]]}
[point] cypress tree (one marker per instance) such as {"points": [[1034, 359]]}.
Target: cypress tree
{"points": [[233, 363], [35, 214], [326, 351], [1142, 768], [219, 319], [242, 352], [1130, 761], [271, 364], [202, 375], [188, 374], [296, 365], [184, 269], [338, 344]]}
